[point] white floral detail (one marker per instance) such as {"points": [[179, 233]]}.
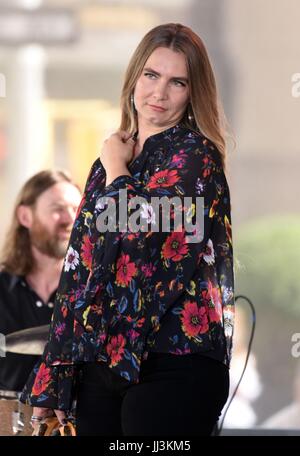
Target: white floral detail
{"points": [[71, 259], [199, 186], [100, 204], [228, 320], [227, 293], [209, 254], [148, 213]]}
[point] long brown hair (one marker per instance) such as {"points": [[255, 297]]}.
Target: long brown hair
{"points": [[16, 255], [205, 108]]}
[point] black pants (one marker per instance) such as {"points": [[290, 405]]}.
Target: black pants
{"points": [[177, 395]]}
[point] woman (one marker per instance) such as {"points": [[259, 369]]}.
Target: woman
{"points": [[143, 318]]}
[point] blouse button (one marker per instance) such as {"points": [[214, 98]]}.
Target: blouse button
{"points": [[50, 305], [39, 303]]}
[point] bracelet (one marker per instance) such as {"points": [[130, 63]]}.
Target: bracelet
{"points": [[36, 418]]}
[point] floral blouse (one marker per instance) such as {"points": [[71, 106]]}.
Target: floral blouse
{"points": [[125, 293]]}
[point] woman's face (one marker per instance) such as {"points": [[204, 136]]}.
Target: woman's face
{"points": [[162, 92]]}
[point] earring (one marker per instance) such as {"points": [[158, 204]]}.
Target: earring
{"points": [[190, 116], [132, 103]]}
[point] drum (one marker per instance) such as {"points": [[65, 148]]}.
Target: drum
{"points": [[15, 416]]}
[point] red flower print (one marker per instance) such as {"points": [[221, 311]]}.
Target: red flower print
{"points": [[125, 270], [194, 319], [165, 178], [140, 322], [131, 236], [207, 170], [59, 330], [42, 380], [132, 334], [115, 349], [175, 246], [148, 269], [178, 160], [64, 310], [215, 311], [212, 301], [86, 252]]}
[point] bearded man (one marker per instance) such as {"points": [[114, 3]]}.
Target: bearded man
{"points": [[31, 263]]}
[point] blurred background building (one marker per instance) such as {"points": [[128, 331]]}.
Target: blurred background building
{"points": [[61, 71]]}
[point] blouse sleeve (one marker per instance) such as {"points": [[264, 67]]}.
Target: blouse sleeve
{"points": [[49, 385]]}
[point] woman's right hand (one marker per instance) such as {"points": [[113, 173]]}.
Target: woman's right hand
{"points": [[42, 412]]}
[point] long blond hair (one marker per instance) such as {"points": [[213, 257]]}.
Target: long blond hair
{"points": [[16, 257], [205, 108]]}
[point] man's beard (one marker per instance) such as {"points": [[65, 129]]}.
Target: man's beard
{"points": [[47, 243]]}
